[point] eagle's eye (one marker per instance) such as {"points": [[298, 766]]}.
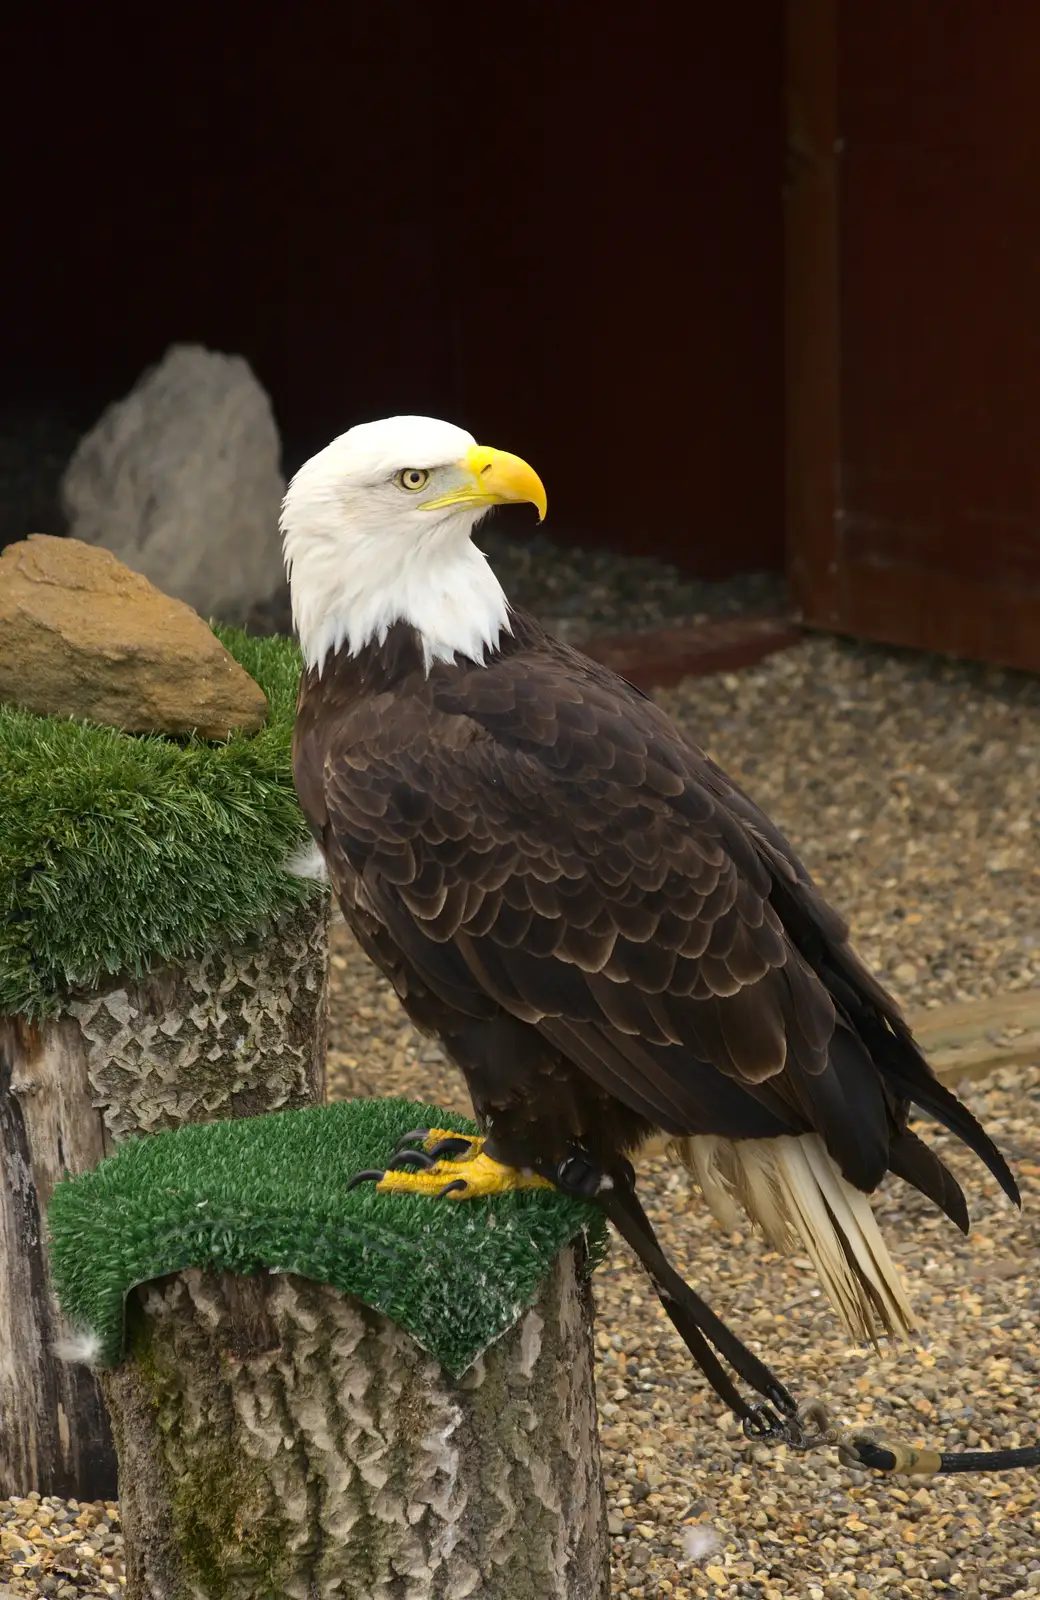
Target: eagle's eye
{"points": [[413, 479]]}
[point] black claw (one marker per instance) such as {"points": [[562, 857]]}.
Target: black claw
{"points": [[762, 1423], [403, 1159], [373, 1175], [456, 1183], [448, 1149], [778, 1396], [414, 1136]]}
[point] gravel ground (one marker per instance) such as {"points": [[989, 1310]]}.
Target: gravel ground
{"points": [[60, 1548], [578, 592], [911, 787]]}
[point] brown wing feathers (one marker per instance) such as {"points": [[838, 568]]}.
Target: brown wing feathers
{"points": [[536, 832]]}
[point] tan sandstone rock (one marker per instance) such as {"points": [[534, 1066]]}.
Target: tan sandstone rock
{"points": [[83, 636]]}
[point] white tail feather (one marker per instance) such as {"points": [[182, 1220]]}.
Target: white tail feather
{"points": [[306, 861], [794, 1191], [79, 1346]]}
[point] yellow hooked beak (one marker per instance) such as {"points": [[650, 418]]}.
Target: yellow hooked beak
{"points": [[493, 478]]}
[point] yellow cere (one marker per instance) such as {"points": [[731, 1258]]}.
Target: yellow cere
{"points": [[493, 478]]}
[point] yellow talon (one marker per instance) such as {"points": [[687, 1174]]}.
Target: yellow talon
{"points": [[479, 1173]]}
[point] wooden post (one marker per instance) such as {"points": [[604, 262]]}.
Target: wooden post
{"points": [[238, 1032], [279, 1440]]}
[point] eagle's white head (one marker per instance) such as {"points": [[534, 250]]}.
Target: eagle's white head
{"points": [[376, 530]]}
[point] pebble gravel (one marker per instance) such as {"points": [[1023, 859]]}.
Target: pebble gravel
{"points": [[911, 785], [60, 1549], [578, 592]]}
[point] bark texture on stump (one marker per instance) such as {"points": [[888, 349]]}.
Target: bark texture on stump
{"points": [[239, 1032], [280, 1441]]}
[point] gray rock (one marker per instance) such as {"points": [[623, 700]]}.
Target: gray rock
{"points": [[182, 481]]}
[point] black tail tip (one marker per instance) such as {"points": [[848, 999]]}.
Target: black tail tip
{"points": [[1003, 1174]]}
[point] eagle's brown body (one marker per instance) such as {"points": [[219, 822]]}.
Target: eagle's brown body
{"points": [[606, 934], [609, 938]]}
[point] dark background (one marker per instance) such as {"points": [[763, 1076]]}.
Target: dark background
{"points": [[755, 286], [559, 225]]}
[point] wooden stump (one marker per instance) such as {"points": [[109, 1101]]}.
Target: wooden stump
{"points": [[280, 1441], [238, 1032]]}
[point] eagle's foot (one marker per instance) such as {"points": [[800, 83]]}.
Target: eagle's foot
{"points": [[437, 1163]]}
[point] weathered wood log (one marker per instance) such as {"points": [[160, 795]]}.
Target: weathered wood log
{"points": [[238, 1032], [279, 1440]]}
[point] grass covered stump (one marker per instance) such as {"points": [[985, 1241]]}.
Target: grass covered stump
{"points": [[158, 965], [320, 1393]]}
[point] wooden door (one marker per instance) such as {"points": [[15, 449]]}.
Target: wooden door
{"points": [[913, 319]]}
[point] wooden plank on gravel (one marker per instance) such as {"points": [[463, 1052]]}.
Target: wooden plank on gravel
{"points": [[970, 1038], [660, 657]]}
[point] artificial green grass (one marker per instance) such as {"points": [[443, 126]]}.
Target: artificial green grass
{"points": [[121, 851], [271, 1192]]}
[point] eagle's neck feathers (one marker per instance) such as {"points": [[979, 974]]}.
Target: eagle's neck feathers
{"points": [[349, 591]]}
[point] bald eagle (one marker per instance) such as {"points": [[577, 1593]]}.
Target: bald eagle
{"points": [[605, 933]]}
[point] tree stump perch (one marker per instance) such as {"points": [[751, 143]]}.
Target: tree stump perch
{"points": [[240, 1031], [279, 1440]]}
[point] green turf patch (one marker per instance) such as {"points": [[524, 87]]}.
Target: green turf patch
{"points": [[270, 1192], [121, 851]]}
